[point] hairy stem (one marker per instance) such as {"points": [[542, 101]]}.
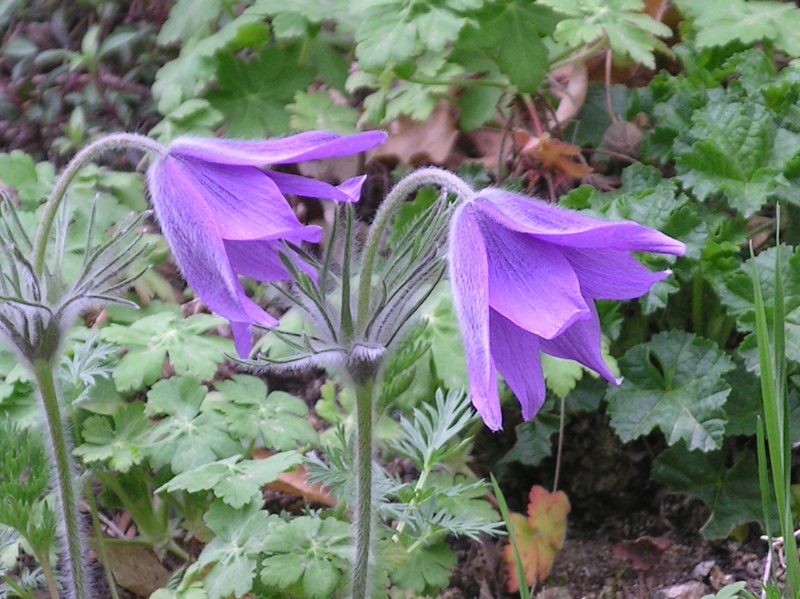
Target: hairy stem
{"points": [[421, 178], [43, 371], [85, 156], [100, 543], [363, 499], [47, 571]]}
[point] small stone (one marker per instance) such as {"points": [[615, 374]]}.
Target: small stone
{"points": [[555, 593], [688, 590], [702, 570]]}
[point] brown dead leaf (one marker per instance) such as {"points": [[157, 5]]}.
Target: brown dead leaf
{"points": [[643, 553], [295, 482], [492, 145], [570, 85], [538, 538], [415, 143], [552, 153], [136, 568]]}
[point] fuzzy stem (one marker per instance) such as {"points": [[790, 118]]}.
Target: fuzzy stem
{"points": [[100, 543], [47, 570], [43, 372], [81, 159], [421, 178], [363, 499]]}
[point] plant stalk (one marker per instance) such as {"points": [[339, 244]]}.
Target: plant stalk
{"points": [[363, 499], [81, 159], [43, 372], [423, 177]]}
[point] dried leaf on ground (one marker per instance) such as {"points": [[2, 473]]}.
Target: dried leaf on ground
{"points": [[643, 553], [539, 537], [417, 143], [136, 568]]}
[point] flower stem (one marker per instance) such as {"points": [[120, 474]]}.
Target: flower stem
{"points": [[363, 499], [85, 156], [43, 372], [420, 178]]}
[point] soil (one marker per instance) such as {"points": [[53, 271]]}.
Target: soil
{"points": [[626, 537]]}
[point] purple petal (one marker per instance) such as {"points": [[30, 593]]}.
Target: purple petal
{"points": [[311, 145], [565, 227], [191, 230], [530, 282], [516, 356], [469, 275], [245, 202], [242, 338], [610, 274], [581, 342], [257, 260], [260, 260], [349, 191]]}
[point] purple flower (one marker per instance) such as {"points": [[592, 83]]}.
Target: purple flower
{"points": [[223, 216], [524, 276]]}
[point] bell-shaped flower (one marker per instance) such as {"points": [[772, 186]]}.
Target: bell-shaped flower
{"points": [[224, 216], [524, 278]]}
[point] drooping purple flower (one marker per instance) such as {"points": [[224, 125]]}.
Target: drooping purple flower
{"points": [[524, 278], [224, 216]]}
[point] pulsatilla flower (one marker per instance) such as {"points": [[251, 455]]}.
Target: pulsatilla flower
{"points": [[524, 275], [224, 216]]}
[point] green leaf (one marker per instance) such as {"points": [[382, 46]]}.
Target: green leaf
{"points": [[187, 18], [675, 383], [189, 435], [432, 434], [180, 80], [31, 181], [428, 569], [240, 534], [393, 31], [312, 11], [18, 397], [733, 494], [166, 335], [236, 482], [279, 419], [309, 556], [630, 32], [401, 366], [478, 105], [719, 22], [193, 117], [534, 440], [317, 110], [736, 294], [335, 406], [731, 152], [443, 333], [744, 402], [253, 93], [118, 440], [510, 33]]}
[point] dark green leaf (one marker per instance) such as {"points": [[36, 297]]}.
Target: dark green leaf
{"points": [[675, 383], [236, 482], [119, 440], [279, 419], [189, 435], [232, 554], [152, 339], [253, 94], [428, 569], [733, 494]]}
